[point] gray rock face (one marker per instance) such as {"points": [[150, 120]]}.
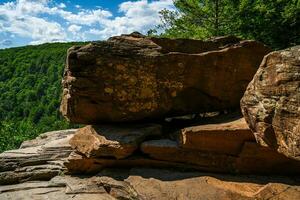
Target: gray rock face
{"points": [[41, 161], [271, 104], [131, 77]]}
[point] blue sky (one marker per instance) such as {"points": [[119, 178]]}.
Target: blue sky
{"points": [[30, 22]]}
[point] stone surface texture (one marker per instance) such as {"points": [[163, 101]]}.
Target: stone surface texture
{"points": [[225, 137], [50, 169], [41, 161], [162, 184], [132, 77], [118, 141], [271, 103]]}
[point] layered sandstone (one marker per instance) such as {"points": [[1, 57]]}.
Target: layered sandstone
{"points": [[225, 137], [271, 104], [118, 141], [132, 77], [48, 168]]}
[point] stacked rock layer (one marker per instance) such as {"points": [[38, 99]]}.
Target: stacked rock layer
{"points": [[125, 86]]}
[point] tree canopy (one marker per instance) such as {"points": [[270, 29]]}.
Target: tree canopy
{"points": [[30, 90], [273, 22]]}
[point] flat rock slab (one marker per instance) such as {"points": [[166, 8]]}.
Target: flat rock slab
{"points": [[39, 159], [252, 158], [118, 141], [226, 137], [47, 137], [132, 77], [168, 150], [271, 103], [147, 183], [79, 164], [255, 159]]}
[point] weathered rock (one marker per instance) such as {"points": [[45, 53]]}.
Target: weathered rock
{"points": [[169, 184], [255, 159], [79, 164], [66, 187], [271, 104], [36, 162], [118, 141], [168, 150], [226, 138], [125, 179], [146, 183], [45, 138], [131, 77], [252, 159]]}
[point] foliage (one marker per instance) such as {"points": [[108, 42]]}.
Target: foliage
{"points": [[30, 89], [274, 22]]}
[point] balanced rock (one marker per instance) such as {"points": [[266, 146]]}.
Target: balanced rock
{"points": [[132, 77], [112, 141], [271, 104]]}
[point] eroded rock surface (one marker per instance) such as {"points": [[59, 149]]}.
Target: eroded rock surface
{"points": [[41, 161], [118, 141], [252, 158], [227, 147], [162, 184], [225, 137], [170, 172], [271, 104], [131, 77]]}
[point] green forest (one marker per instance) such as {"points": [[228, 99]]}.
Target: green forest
{"points": [[273, 22], [30, 90], [30, 78]]}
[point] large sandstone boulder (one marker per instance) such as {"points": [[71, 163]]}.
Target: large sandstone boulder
{"points": [[131, 77], [271, 104]]}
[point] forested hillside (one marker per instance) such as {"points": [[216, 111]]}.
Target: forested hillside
{"points": [[30, 89]]}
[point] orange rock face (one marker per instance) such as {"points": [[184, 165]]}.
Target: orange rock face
{"points": [[220, 149], [130, 78], [227, 138], [112, 141], [271, 104], [252, 158]]}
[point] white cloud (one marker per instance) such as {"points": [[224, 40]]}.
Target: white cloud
{"points": [[46, 21], [62, 5], [20, 18], [76, 33], [137, 16], [74, 28], [85, 17]]}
